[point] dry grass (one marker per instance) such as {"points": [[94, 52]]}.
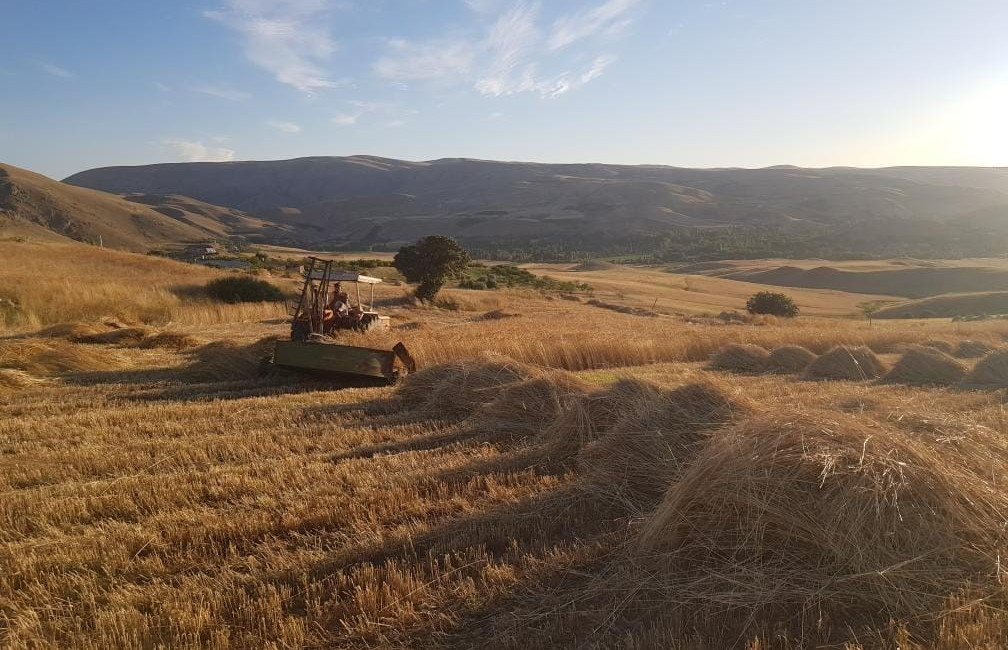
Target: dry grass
{"points": [[989, 372], [845, 362], [570, 478], [926, 366]]}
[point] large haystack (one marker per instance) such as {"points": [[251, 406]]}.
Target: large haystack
{"points": [[846, 362], [789, 359], [829, 517], [991, 372], [925, 366], [457, 389], [589, 416], [528, 407], [740, 358], [655, 440], [972, 349]]}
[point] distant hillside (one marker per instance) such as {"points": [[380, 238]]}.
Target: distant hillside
{"points": [[950, 306], [37, 207], [369, 201]]}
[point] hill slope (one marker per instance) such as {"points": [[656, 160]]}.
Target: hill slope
{"points": [[370, 200], [37, 207]]}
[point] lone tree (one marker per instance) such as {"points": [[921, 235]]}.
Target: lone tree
{"points": [[430, 262], [775, 304]]}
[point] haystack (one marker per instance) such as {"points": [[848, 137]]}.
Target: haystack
{"points": [[943, 346], [11, 380], [972, 349], [925, 366], [789, 359], [829, 515], [458, 389], [528, 407], [991, 372], [845, 362], [655, 441], [740, 358], [170, 340]]}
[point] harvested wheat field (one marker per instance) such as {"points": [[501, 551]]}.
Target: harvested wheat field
{"points": [[534, 485]]}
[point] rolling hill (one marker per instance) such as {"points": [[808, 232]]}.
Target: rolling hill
{"points": [[366, 200], [36, 207]]}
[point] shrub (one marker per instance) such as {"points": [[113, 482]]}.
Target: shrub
{"points": [[242, 289], [775, 304]]}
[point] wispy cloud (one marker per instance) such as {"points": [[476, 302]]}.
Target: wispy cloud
{"points": [[288, 38], [516, 55], [390, 114], [221, 92], [162, 87], [345, 119], [285, 127], [195, 151], [608, 17], [55, 70]]}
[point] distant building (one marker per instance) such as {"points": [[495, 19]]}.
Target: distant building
{"points": [[200, 251]]}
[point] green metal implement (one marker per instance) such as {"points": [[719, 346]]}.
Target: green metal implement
{"points": [[333, 358]]}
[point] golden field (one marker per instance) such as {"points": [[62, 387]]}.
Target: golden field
{"points": [[558, 475]]}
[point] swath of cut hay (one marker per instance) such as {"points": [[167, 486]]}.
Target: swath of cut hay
{"points": [[972, 349], [848, 363], [228, 360], [656, 439], [11, 380], [789, 359], [830, 516], [69, 331], [117, 336], [526, 408], [589, 416], [746, 358], [41, 357], [925, 366], [170, 341], [458, 389], [991, 372]]}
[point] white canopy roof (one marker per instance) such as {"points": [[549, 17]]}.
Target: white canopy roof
{"points": [[347, 276]]}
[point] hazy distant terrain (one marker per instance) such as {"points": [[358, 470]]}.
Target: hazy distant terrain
{"points": [[366, 200]]}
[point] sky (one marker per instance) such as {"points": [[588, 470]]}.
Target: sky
{"points": [[687, 83]]}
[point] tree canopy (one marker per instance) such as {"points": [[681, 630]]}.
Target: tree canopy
{"points": [[430, 262]]}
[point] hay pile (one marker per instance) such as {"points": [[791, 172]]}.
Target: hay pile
{"points": [[972, 349], [117, 336], [846, 362], [53, 356], [991, 372], [526, 408], [831, 517], [70, 331], [740, 358], [654, 441], [789, 359], [171, 341], [228, 360], [11, 380], [589, 416], [457, 389], [943, 346], [925, 366]]}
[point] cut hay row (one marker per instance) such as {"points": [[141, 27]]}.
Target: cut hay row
{"points": [[11, 379]]}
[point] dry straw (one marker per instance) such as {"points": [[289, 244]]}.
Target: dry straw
{"points": [[171, 341], [746, 358], [846, 362], [990, 372], [457, 389], [526, 408], [943, 346], [925, 366], [655, 440], [832, 515], [973, 349], [11, 379], [789, 359]]}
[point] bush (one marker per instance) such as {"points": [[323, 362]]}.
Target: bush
{"points": [[242, 289], [775, 304]]}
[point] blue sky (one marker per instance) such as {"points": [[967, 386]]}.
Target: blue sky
{"points": [[706, 83]]}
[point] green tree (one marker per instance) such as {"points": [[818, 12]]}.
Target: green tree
{"points": [[775, 304], [430, 262]]}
